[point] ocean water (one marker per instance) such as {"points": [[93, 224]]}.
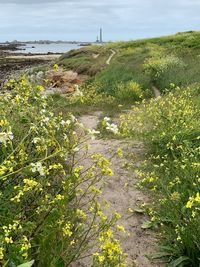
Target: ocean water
{"points": [[45, 48]]}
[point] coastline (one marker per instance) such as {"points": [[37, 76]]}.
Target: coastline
{"points": [[13, 63]]}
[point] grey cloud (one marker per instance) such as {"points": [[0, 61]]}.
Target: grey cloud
{"points": [[81, 19]]}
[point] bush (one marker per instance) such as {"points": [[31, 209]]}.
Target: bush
{"points": [[171, 127], [44, 193], [156, 67], [130, 91]]}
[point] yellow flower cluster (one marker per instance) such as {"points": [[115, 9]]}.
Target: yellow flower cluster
{"points": [[25, 246], [193, 200], [103, 163], [67, 229], [111, 252]]}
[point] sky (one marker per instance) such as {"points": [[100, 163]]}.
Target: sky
{"points": [[80, 20]]}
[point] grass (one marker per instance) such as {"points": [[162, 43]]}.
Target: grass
{"points": [[84, 61], [60, 104], [128, 63]]}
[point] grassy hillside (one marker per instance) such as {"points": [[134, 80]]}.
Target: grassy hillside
{"points": [[158, 61]]}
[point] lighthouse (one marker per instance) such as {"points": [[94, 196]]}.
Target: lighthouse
{"points": [[101, 35]]}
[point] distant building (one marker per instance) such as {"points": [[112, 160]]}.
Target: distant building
{"points": [[100, 37]]}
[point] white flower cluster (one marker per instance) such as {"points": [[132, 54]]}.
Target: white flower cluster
{"points": [[92, 133], [5, 137], [110, 126], [36, 140], [37, 167], [65, 123]]}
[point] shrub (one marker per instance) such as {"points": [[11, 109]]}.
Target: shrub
{"points": [[156, 67], [171, 127], [44, 193], [130, 91]]}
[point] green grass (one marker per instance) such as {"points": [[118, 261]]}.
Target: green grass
{"points": [[83, 60], [128, 63]]}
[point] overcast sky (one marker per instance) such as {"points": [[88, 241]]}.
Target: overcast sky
{"points": [[81, 19]]}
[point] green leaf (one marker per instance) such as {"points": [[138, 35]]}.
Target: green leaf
{"points": [[146, 225], [159, 255], [178, 261], [138, 210], [167, 248], [27, 264]]}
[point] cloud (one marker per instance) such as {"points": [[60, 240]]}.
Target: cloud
{"points": [[81, 19]]}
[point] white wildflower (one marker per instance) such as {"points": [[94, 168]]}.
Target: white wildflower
{"points": [[46, 120], [112, 128], [4, 137], [78, 92], [73, 118], [106, 119], [65, 123], [36, 140], [92, 133], [37, 167], [76, 149]]}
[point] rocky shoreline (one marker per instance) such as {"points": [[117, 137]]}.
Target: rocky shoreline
{"points": [[13, 63], [38, 67]]}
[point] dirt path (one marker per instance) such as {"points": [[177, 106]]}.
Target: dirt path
{"points": [[156, 91], [122, 194], [111, 56]]}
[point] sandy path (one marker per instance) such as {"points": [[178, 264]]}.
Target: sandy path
{"points": [[122, 194], [156, 91], [39, 57], [110, 57]]}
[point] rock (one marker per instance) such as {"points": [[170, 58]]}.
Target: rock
{"points": [[59, 78], [60, 81], [68, 89], [70, 76], [65, 80]]}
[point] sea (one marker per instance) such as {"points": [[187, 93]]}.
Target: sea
{"points": [[47, 48]]}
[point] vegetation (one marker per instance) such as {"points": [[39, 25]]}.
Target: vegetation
{"points": [[45, 217], [170, 127], [158, 61], [49, 203], [86, 60]]}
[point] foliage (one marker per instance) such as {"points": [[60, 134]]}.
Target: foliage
{"points": [[171, 127], [156, 67], [87, 60], [170, 59], [110, 80], [49, 209], [93, 97], [130, 91]]}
